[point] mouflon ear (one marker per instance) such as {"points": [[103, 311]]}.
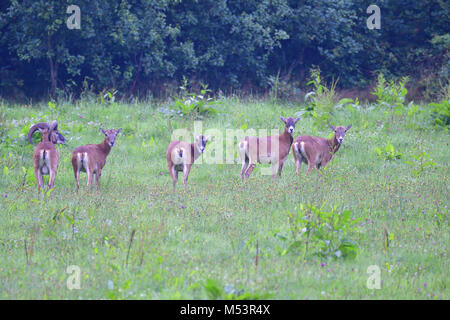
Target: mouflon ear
{"points": [[332, 127], [348, 127], [283, 119], [296, 120]]}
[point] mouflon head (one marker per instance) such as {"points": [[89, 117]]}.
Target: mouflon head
{"points": [[110, 135], [339, 132], [201, 141], [290, 124]]}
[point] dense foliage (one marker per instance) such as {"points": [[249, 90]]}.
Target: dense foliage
{"points": [[147, 46]]}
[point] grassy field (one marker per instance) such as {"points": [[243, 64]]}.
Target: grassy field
{"points": [[222, 238]]}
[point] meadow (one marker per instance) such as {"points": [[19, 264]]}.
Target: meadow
{"points": [[382, 201]]}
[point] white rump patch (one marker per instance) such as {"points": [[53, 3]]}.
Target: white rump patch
{"points": [[175, 156], [82, 163], [44, 164], [302, 149]]}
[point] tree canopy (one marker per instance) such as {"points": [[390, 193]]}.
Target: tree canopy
{"points": [[143, 46]]}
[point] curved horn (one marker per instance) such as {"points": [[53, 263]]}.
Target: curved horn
{"points": [[54, 125], [37, 126]]}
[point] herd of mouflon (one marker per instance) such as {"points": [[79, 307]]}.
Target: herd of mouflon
{"points": [[316, 152]]}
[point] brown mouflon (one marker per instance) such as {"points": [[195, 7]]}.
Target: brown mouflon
{"points": [[181, 155], [45, 157], [91, 158], [315, 151], [270, 149]]}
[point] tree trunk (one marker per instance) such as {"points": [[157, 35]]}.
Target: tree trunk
{"points": [[137, 74], [53, 68]]}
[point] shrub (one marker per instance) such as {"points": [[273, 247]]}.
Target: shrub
{"points": [[193, 105], [322, 98], [323, 233], [420, 162], [440, 113], [280, 88], [391, 95], [388, 152]]}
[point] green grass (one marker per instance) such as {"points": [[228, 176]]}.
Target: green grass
{"points": [[219, 227]]}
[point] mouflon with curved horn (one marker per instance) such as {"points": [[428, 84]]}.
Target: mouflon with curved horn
{"points": [[45, 157]]}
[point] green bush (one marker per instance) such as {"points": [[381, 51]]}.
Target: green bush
{"points": [[194, 106], [388, 152], [420, 162], [440, 113], [324, 233], [391, 94], [321, 99]]}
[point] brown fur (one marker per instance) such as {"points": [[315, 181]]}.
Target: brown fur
{"points": [[45, 161], [181, 155], [317, 152], [260, 149], [91, 158]]}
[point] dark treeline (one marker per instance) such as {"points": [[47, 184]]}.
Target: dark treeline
{"points": [[142, 47]]}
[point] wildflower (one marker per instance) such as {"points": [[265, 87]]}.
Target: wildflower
{"points": [[322, 264], [6, 195], [425, 284]]}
